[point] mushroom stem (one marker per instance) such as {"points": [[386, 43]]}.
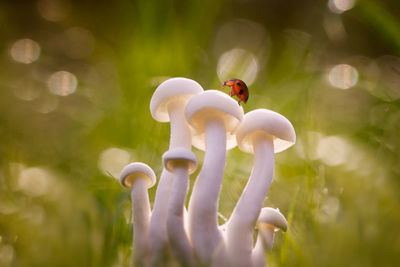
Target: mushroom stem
{"points": [[179, 242], [258, 254], [243, 219], [267, 236], [141, 219], [180, 137], [139, 177], [158, 240], [203, 222], [180, 133]]}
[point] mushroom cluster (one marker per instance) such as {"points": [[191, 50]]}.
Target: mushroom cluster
{"points": [[213, 122]]}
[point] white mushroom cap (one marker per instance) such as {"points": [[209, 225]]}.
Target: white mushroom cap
{"points": [[179, 156], [136, 170], [171, 90], [269, 122], [213, 103], [272, 219]]}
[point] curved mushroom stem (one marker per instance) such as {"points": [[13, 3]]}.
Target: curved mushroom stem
{"points": [[178, 240], [180, 137], [203, 206], [265, 241], [240, 226], [258, 254], [141, 219]]}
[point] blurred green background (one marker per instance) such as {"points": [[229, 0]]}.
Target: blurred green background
{"points": [[75, 85]]}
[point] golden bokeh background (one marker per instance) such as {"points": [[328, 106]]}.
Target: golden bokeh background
{"points": [[75, 86]]}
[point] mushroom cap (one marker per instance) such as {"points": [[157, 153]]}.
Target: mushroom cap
{"points": [[269, 122], [171, 90], [136, 170], [179, 156], [213, 104], [273, 219]]}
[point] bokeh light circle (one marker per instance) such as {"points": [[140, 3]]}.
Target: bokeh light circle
{"points": [[47, 103], [34, 181], [340, 6], [332, 150], [25, 51], [238, 63], [53, 10], [343, 76], [26, 90], [112, 160], [62, 83]]}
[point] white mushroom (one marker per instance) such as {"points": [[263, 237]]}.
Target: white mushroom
{"points": [[168, 104], [214, 116], [263, 133], [269, 221], [139, 177], [181, 162]]}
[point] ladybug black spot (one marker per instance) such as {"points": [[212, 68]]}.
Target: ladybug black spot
{"points": [[240, 92], [239, 84]]}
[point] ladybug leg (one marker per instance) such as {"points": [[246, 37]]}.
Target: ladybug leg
{"points": [[239, 102], [231, 93]]}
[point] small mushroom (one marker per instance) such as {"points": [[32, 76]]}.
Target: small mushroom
{"points": [[139, 177], [214, 117], [181, 162], [262, 132], [167, 105], [269, 221]]}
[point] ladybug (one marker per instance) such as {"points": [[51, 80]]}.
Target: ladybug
{"points": [[238, 88]]}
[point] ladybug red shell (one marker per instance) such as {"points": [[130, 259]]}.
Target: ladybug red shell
{"points": [[238, 88]]}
